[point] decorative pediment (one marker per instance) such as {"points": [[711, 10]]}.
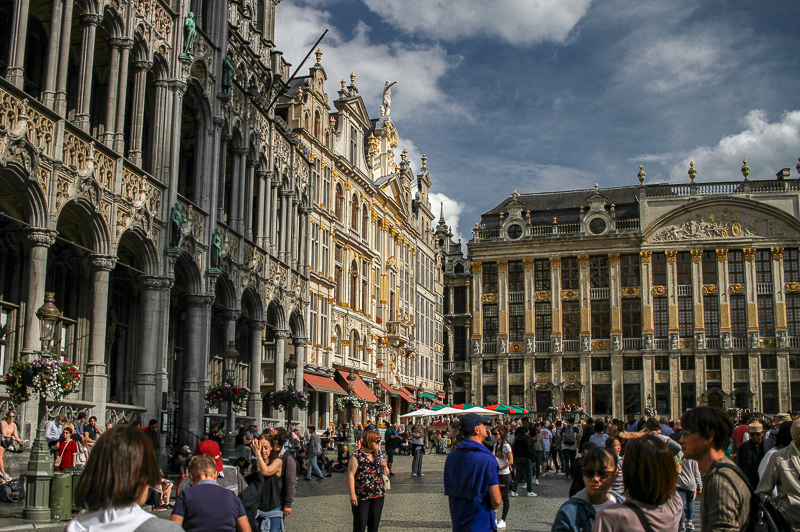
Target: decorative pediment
{"points": [[722, 219]]}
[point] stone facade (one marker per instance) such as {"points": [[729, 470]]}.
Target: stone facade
{"points": [[653, 296], [145, 179]]}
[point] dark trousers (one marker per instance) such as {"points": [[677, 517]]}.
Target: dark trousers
{"points": [[569, 459], [367, 515], [505, 482], [522, 470]]}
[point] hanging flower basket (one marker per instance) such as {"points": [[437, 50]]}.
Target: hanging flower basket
{"points": [[650, 412], [218, 394], [286, 399], [351, 401], [379, 363], [379, 409], [55, 378], [735, 413]]}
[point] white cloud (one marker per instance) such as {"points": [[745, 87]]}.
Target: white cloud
{"points": [[518, 22], [417, 68], [767, 146], [452, 212]]}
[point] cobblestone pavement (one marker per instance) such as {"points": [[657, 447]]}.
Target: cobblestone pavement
{"points": [[415, 503]]}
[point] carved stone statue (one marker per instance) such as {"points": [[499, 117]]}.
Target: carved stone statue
{"points": [[615, 342], [476, 346], [502, 346], [556, 344], [585, 342], [176, 221], [216, 249], [529, 345], [227, 75], [648, 342], [191, 35], [386, 105]]}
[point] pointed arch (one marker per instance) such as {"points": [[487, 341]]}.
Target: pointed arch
{"points": [[297, 325], [79, 220]]}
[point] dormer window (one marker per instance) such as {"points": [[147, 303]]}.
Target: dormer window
{"points": [[514, 231], [597, 226]]}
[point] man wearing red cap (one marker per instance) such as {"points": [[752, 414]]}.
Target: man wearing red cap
{"points": [[211, 448]]}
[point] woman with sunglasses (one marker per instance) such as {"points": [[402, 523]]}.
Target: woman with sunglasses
{"points": [[505, 459], [650, 478], [365, 479], [579, 512], [67, 449]]}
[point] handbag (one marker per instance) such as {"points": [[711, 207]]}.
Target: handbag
{"points": [[81, 456], [57, 463], [387, 482]]}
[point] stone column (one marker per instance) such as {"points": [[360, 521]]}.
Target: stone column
{"points": [[286, 200], [173, 150], [280, 354], [248, 200], [152, 314], [781, 328], [615, 292], [49, 90], [273, 218], [724, 302], [257, 348], [557, 331], [19, 33], [94, 388], [160, 129], [646, 258], [89, 22], [115, 46], [586, 303], [191, 399], [697, 299], [122, 97], [140, 69], [300, 354], [236, 183], [266, 217], [751, 297], [477, 309], [502, 301], [60, 105], [39, 241], [672, 299], [258, 230], [230, 316]]}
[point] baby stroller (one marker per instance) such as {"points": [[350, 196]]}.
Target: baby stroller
{"points": [[404, 448]]}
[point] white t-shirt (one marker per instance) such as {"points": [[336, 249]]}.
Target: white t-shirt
{"points": [[547, 437], [609, 502], [502, 462]]}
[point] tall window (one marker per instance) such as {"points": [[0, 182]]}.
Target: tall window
{"points": [[490, 366], [763, 266], [516, 322], [685, 318], [314, 247], [516, 276], [662, 398], [516, 365], [711, 315], [632, 395], [769, 397], [516, 394], [661, 363], [325, 252], [571, 365], [791, 266], [460, 299], [570, 273], [338, 284], [766, 316], [735, 267], [491, 324], [353, 286], [683, 267], [709, 266], [541, 274], [738, 316], [543, 320], [793, 314], [323, 322], [490, 394], [598, 273], [365, 223], [601, 398], [490, 277], [660, 317], [354, 213], [601, 318], [659, 261], [688, 396], [313, 320], [630, 270], [353, 145], [632, 363], [632, 317], [459, 343], [542, 365], [571, 319], [339, 205]]}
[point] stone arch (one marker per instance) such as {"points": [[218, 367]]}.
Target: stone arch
{"points": [[195, 117], [276, 318], [79, 222], [226, 292], [114, 21], [20, 198], [354, 339], [187, 275], [134, 241], [297, 325], [252, 301]]}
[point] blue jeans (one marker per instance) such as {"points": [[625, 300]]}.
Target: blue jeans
{"points": [[539, 462], [313, 467], [522, 466], [271, 524], [688, 505]]}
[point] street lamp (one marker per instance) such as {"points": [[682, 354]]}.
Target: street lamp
{"points": [[290, 376], [351, 434], [39, 473], [230, 359]]}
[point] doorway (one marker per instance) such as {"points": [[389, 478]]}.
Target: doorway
{"points": [[572, 397]]}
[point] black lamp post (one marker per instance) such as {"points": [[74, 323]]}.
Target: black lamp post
{"points": [[290, 376], [351, 433], [39, 473], [229, 359]]}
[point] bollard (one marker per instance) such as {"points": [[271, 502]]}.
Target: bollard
{"points": [[76, 476], [61, 496]]}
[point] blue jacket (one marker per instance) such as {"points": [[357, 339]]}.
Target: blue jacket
{"points": [[469, 471], [577, 514]]}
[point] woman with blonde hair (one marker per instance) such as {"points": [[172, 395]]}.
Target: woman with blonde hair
{"points": [[505, 459], [365, 479]]}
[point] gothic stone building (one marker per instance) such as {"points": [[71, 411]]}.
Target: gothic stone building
{"points": [[661, 296], [146, 181]]}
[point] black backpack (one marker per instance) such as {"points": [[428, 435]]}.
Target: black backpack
{"points": [[570, 435], [12, 491], [766, 515]]}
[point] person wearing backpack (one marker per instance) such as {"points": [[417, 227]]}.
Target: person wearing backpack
{"points": [[569, 445], [783, 472], [725, 500]]}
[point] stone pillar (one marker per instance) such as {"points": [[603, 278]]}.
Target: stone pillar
{"points": [[697, 299], [781, 328], [257, 348], [300, 354], [60, 105], [191, 399], [115, 46], [751, 297], [94, 388], [273, 218], [153, 312], [160, 130], [672, 299], [266, 215], [286, 201], [615, 291], [502, 302], [140, 69], [230, 316], [173, 149], [258, 230], [39, 240], [249, 201], [49, 90], [280, 355], [89, 22], [477, 309], [724, 302], [645, 258], [19, 33], [122, 97], [586, 302], [555, 297], [236, 181]]}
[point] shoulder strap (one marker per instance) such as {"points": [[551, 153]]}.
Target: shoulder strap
{"points": [[739, 472], [640, 514]]}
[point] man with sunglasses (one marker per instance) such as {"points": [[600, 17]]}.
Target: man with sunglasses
{"points": [[470, 479]]}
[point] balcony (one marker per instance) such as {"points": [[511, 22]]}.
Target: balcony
{"points": [[600, 293], [632, 343], [398, 333], [662, 343], [794, 341], [763, 288], [684, 290], [572, 345], [542, 346], [490, 347], [739, 343], [712, 343], [516, 297]]}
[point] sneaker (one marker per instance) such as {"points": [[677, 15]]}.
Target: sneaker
{"points": [[536, 481], [689, 526], [513, 494], [544, 474], [524, 485], [532, 494], [422, 474], [569, 477], [413, 474], [560, 473], [392, 475], [501, 524]]}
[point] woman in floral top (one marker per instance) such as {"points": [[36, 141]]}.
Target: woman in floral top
{"points": [[365, 477]]}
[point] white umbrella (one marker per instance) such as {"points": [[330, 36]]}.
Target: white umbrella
{"points": [[449, 411], [482, 411], [422, 412]]}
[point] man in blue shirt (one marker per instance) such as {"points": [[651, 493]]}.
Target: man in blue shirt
{"points": [[470, 479]]}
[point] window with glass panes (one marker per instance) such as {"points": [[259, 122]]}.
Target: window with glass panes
{"points": [[661, 363], [662, 398], [516, 321], [687, 362], [766, 316], [632, 395], [601, 398], [446, 303], [795, 396], [571, 365], [542, 365], [570, 273], [735, 267], [490, 366], [460, 299], [630, 270], [489, 394], [763, 263], [793, 314], [541, 274], [601, 363], [598, 272], [685, 318], [741, 361], [659, 262], [516, 276], [489, 277], [571, 320], [516, 365], [631, 317], [738, 307], [688, 396], [601, 319], [711, 315], [516, 394], [459, 343], [713, 362], [683, 267], [709, 266], [632, 363], [769, 397], [769, 361], [543, 320], [491, 322], [660, 317], [791, 266]]}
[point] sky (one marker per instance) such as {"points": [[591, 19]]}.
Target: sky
{"points": [[546, 95]]}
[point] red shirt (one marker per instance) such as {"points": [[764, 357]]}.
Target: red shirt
{"points": [[69, 449], [738, 434], [211, 448]]}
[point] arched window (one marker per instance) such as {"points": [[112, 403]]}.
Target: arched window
{"points": [[353, 285], [338, 340], [307, 122], [354, 213], [354, 344], [365, 223], [339, 205], [316, 124], [191, 136]]}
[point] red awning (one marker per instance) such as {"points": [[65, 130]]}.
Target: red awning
{"points": [[323, 384], [360, 388], [405, 395], [438, 402], [388, 388]]}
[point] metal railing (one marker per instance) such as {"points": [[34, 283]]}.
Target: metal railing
{"points": [[739, 343], [490, 347], [632, 224], [662, 343], [684, 290], [712, 343], [794, 341]]}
